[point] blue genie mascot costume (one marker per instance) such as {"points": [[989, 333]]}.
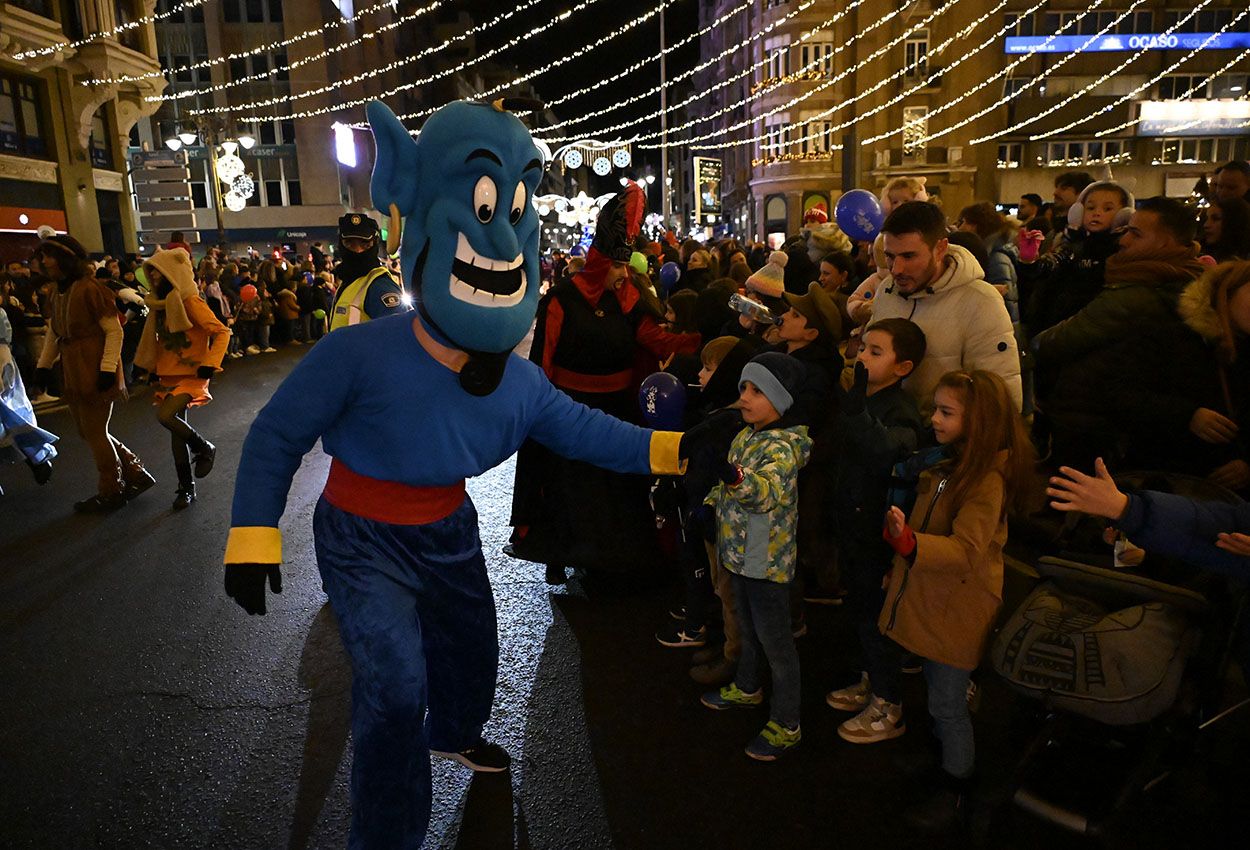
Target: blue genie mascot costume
{"points": [[409, 406]]}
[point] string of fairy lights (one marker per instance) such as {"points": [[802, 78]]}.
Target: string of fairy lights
{"points": [[126, 26], [815, 75], [329, 26], [901, 72]]}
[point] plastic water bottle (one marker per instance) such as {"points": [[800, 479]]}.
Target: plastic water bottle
{"points": [[753, 310]]}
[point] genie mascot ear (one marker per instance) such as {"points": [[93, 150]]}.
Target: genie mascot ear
{"points": [[470, 243]]}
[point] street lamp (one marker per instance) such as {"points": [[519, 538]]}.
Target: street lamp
{"points": [[227, 168]]}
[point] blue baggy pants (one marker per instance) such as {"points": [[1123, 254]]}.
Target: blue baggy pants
{"points": [[417, 618]]}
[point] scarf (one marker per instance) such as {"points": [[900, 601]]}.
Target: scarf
{"points": [[214, 290], [1161, 265], [171, 315], [591, 282]]}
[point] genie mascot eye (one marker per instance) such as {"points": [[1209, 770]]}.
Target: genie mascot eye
{"points": [[472, 266]]}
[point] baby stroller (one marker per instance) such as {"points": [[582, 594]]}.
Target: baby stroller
{"points": [[1126, 666]]}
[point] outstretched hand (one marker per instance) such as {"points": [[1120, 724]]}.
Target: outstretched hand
{"points": [[1095, 494], [245, 584], [1235, 542]]}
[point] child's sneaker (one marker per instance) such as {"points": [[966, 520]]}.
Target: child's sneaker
{"points": [[731, 696], [773, 740], [879, 721], [679, 635], [851, 698]]}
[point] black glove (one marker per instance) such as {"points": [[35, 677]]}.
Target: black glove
{"points": [[205, 372], [106, 381], [731, 474], [856, 399], [43, 378], [245, 584]]}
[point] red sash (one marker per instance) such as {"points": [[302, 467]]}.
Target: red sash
{"points": [[390, 501]]}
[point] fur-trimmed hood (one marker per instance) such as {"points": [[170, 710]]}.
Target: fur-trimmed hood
{"points": [[1197, 308]]}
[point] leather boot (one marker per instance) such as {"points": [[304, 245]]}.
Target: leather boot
{"points": [[136, 477], [946, 809], [203, 453]]}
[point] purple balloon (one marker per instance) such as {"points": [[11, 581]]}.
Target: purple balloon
{"points": [[663, 401], [670, 273], [859, 214]]}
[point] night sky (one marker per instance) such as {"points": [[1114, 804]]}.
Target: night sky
{"points": [[590, 25]]}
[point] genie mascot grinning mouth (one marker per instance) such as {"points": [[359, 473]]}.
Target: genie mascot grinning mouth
{"points": [[470, 241]]}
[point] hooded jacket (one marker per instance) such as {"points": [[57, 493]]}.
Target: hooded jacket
{"points": [[757, 518], [965, 323], [181, 334]]}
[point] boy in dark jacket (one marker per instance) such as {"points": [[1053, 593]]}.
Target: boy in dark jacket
{"points": [[878, 424], [716, 422]]}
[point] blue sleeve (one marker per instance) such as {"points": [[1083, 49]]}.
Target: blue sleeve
{"points": [[1186, 529], [310, 399], [384, 298], [576, 431]]}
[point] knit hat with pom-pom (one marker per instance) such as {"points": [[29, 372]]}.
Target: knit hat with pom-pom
{"points": [[770, 280]]}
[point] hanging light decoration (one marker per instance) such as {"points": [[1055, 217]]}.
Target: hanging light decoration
{"points": [[229, 167], [573, 158], [234, 201], [243, 186], [602, 166], [621, 158]]}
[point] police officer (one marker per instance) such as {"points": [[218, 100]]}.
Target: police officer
{"points": [[366, 289]]}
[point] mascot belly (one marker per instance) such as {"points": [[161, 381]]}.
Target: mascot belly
{"points": [[408, 406]]}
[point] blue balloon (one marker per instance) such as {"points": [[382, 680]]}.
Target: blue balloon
{"points": [[663, 401], [859, 214], [670, 273]]}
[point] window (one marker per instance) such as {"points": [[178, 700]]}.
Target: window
{"points": [[817, 58], [1230, 86], [288, 132], [255, 11], [200, 194], [1208, 149], [260, 64], [1011, 155], [1195, 86], [1012, 86], [277, 181], [267, 134], [232, 11], [183, 73], [915, 54], [275, 10], [280, 63], [238, 69], [1086, 152], [779, 63], [817, 137], [101, 149], [1018, 25], [915, 128], [21, 130]]}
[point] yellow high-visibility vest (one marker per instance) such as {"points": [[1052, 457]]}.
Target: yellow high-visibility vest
{"points": [[349, 306]]}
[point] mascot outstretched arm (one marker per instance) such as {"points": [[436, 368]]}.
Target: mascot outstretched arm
{"points": [[409, 406]]}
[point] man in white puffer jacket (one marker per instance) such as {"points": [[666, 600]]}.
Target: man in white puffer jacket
{"points": [[941, 288]]}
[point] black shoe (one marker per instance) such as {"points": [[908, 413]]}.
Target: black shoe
{"points": [[681, 635], [203, 458], [483, 757], [184, 498], [139, 482], [42, 471], [100, 503], [555, 575], [946, 810]]}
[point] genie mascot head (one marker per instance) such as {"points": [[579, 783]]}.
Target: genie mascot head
{"points": [[470, 242]]}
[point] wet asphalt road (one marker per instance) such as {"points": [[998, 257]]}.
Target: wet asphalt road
{"points": [[139, 707]]}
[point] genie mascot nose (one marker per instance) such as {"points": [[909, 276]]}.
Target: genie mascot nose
{"points": [[470, 243]]}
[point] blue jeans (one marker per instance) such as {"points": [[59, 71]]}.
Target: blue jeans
{"points": [[948, 706], [763, 609], [417, 618]]}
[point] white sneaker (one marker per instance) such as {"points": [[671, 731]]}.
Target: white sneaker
{"points": [[269, 350], [851, 698], [879, 721], [44, 398], [253, 349]]}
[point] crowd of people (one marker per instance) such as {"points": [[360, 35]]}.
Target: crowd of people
{"points": [[860, 423]]}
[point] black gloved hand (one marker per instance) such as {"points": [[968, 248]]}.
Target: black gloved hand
{"points": [[856, 399], [205, 372], [43, 379], [731, 474], [245, 584], [106, 381]]}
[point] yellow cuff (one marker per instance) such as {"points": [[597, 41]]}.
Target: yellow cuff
{"points": [[254, 544], [664, 447]]}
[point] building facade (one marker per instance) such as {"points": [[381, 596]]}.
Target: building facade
{"points": [[63, 136], [959, 93]]}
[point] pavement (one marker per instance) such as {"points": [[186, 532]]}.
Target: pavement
{"points": [[140, 708]]}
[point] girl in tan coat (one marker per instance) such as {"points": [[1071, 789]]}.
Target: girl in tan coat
{"points": [[946, 584], [182, 345]]}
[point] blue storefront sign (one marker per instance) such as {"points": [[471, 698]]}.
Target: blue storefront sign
{"points": [[1146, 41]]}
